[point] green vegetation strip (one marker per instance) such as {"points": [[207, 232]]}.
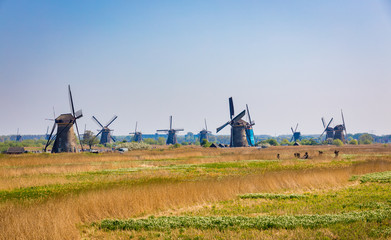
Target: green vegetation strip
{"points": [[380, 177], [239, 222], [271, 196]]}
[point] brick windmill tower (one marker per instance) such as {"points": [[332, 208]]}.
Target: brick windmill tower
{"points": [[295, 134], [328, 130], [138, 136], [340, 130], [171, 138], [204, 133], [105, 131], [65, 139], [238, 127]]}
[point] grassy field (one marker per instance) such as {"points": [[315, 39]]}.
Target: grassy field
{"points": [[197, 193]]}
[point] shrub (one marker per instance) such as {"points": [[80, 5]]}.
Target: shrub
{"points": [[337, 142], [134, 145], [206, 143], [353, 142]]}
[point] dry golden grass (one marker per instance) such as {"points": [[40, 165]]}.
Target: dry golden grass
{"points": [[62, 217]]}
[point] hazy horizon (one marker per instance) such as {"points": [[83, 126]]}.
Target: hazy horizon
{"points": [[292, 62]]}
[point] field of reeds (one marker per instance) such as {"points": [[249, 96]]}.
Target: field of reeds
{"points": [[198, 193]]}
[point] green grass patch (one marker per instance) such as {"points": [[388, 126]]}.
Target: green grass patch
{"points": [[240, 222], [271, 196], [380, 177]]}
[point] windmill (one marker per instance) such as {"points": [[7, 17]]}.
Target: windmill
{"points": [[238, 127], [204, 133], [340, 129], [65, 139], [327, 129], [18, 137], [171, 138], [295, 134], [249, 129], [138, 136], [105, 131]]}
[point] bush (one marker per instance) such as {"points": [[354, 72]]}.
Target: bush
{"points": [[176, 145], [150, 141], [134, 145], [285, 142], [353, 142], [337, 142], [205, 143], [270, 141]]}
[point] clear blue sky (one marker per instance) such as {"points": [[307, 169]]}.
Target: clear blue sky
{"points": [[291, 61]]}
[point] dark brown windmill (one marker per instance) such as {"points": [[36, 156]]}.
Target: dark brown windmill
{"points": [[65, 139], [204, 133], [171, 138], [340, 129], [105, 131], [295, 134], [238, 127], [138, 136], [328, 130]]}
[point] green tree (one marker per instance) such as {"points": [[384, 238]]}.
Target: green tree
{"points": [[365, 139], [189, 137], [89, 139]]}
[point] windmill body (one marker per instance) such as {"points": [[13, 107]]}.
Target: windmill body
{"points": [[238, 132], [238, 127], [296, 136], [338, 132], [171, 133], [106, 136], [249, 129], [138, 136], [65, 138], [204, 133], [105, 131], [329, 133]]}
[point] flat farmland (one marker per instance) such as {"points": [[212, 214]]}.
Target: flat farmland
{"points": [[198, 193]]}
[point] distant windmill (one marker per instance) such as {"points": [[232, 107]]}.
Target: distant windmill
{"points": [[295, 134], [328, 130], [238, 127], [138, 136], [65, 140], [105, 131], [204, 133], [340, 129], [249, 129], [171, 138], [18, 137]]}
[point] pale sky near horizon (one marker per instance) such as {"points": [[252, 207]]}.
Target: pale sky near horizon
{"points": [[291, 61]]}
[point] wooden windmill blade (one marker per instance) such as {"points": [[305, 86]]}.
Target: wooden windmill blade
{"points": [[344, 126], [111, 121], [97, 122], [231, 108]]}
